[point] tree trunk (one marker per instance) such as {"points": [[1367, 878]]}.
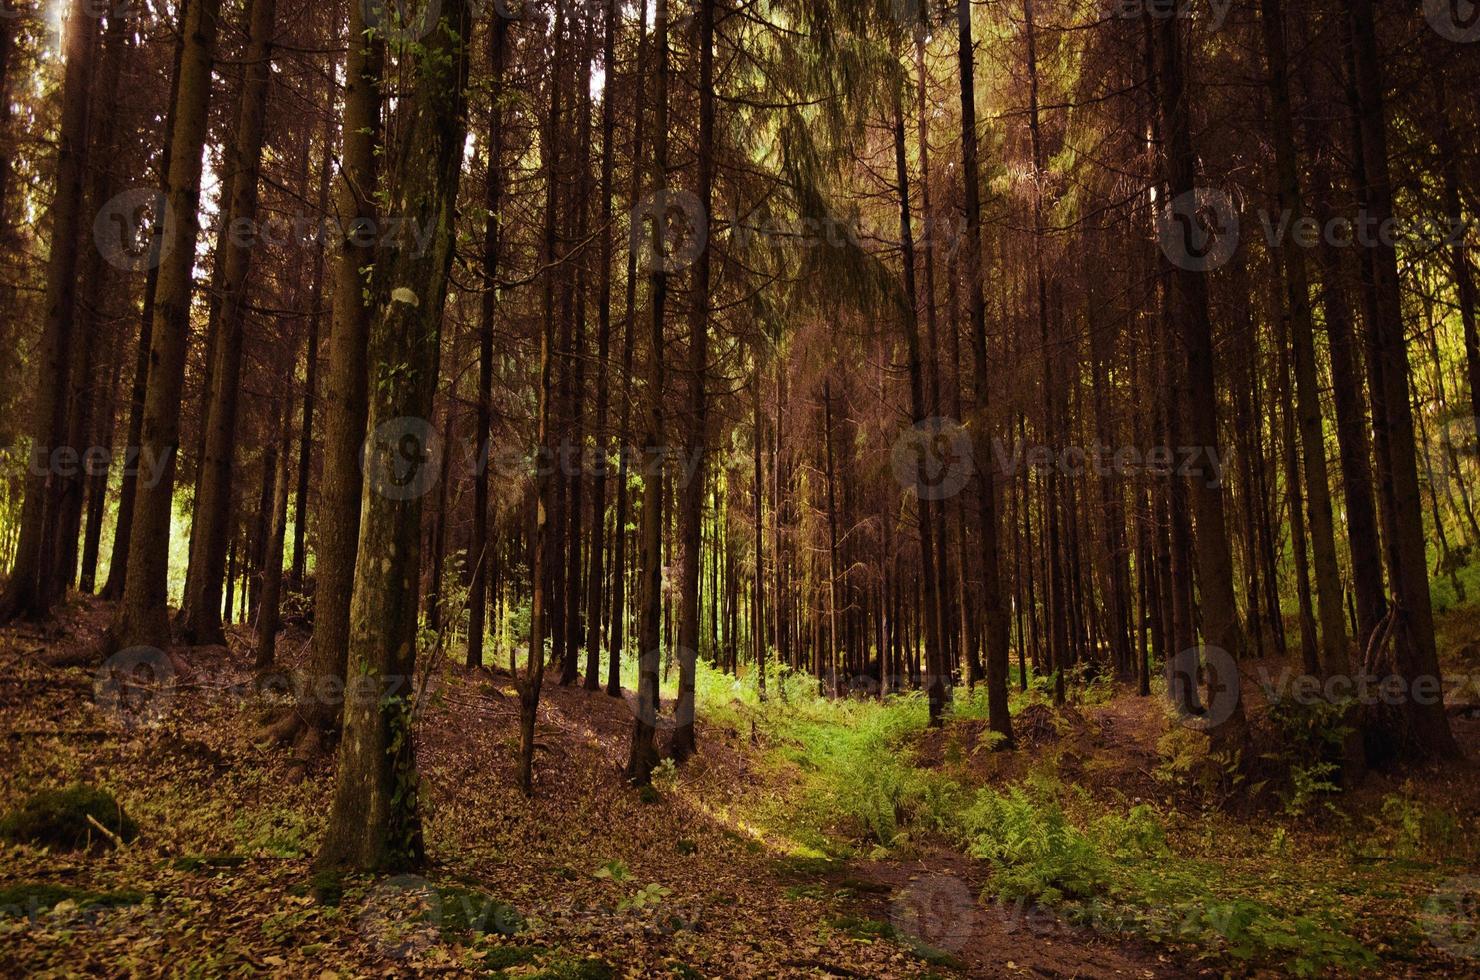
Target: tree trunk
{"points": [[493, 195], [1417, 654], [624, 434], [1219, 613], [143, 619], [346, 380], [934, 656], [33, 586], [998, 637], [692, 504], [374, 823], [200, 618]]}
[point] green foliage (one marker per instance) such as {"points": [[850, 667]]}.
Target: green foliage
{"points": [[201, 863], [612, 871], [665, 776], [566, 968], [65, 818], [874, 929], [1411, 830], [327, 886], [1037, 853], [646, 897], [1311, 736], [499, 958], [1190, 770]]}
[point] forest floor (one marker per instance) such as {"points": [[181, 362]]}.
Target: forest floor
{"points": [[807, 838]]}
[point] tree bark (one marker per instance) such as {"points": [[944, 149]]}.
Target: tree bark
{"points": [[692, 517], [200, 618], [1418, 656], [374, 823], [33, 586], [346, 379], [995, 618], [143, 619]]}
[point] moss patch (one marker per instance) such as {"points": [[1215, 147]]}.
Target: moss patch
{"points": [[33, 898], [59, 818]]}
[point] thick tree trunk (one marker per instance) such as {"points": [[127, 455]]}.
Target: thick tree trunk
{"points": [[128, 489], [1219, 613], [643, 755], [374, 823], [1335, 656]]}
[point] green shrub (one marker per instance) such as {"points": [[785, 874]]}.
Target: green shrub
{"points": [[59, 818], [1037, 853], [1311, 739]]}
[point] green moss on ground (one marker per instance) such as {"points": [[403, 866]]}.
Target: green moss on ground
{"points": [[59, 818]]}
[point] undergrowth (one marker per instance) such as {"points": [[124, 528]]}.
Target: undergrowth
{"points": [[1048, 843]]}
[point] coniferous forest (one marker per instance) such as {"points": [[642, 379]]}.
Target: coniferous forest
{"points": [[739, 488]]}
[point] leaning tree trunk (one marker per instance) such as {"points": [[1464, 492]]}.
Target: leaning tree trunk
{"points": [[128, 488], [375, 823], [542, 557], [143, 619], [30, 593], [200, 618]]}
